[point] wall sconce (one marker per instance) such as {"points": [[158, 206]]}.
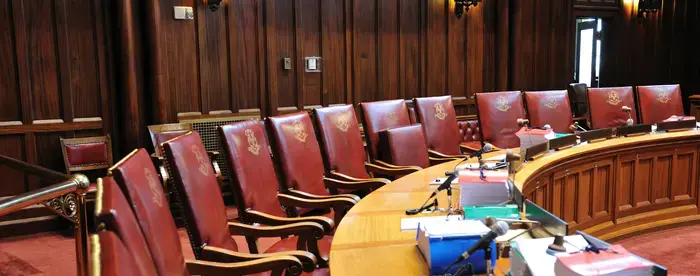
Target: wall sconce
{"points": [[213, 4], [462, 6], [646, 7]]}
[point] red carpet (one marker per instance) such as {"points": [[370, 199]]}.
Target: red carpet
{"points": [[677, 249]]}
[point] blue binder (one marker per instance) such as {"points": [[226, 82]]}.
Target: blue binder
{"points": [[440, 252]]}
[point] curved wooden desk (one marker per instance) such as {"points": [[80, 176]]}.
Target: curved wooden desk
{"points": [[610, 189]]}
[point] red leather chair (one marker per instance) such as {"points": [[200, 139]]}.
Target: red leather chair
{"points": [[439, 121], [399, 139], [298, 156], [115, 216], [659, 102], [87, 154], [471, 136], [549, 108], [135, 175], [378, 116], [498, 113], [605, 106], [343, 150], [412, 116], [110, 257]]}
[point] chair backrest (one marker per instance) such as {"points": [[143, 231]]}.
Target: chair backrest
{"points": [[606, 106], [378, 116], [549, 108], [659, 102], [578, 98], [439, 120], [89, 153], [340, 136], [412, 115], [254, 178], [406, 146], [113, 213], [297, 152], [469, 130], [138, 180], [198, 192], [110, 257], [498, 113], [161, 133]]}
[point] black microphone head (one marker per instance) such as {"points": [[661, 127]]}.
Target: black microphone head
{"points": [[500, 228], [487, 147]]}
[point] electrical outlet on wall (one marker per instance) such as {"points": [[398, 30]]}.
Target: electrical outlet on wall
{"points": [[313, 64], [183, 13]]}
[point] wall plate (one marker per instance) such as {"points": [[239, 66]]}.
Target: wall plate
{"points": [[312, 64], [183, 13]]}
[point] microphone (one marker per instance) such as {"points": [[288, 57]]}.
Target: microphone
{"points": [[498, 229], [512, 156], [576, 126], [485, 149], [523, 122], [628, 110]]}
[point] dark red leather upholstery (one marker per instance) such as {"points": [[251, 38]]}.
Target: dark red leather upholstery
{"points": [[113, 213], [162, 137], [549, 108], [659, 102], [378, 116], [297, 152], [470, 134], [412, 116], [341, 140], [498, 113], [138, 180], [87, 154], [407, 146], [579, 99], [254, 175], [199, 192], [439, 120], [113, 257], [605, 106]]}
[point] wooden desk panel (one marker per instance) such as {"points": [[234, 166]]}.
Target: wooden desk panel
{"points": [[611, 189]]}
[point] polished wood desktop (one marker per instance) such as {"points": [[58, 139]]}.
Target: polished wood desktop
{"points": [[611, 189]]}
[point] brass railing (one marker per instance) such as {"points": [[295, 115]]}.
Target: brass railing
{"points": [[66, 198]]}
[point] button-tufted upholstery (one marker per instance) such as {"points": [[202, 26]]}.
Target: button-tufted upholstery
{"points": [[198, 192], [498, 113], [659, 102], [470, 133], [439, 120], [254, 177], [138, 180], [406, 146], [605, 106], [341, 140], [112, 258], [549, 108], [113, 213], [378, 116]]}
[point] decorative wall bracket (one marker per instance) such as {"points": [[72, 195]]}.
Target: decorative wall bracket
{"points": [[462, 6]]}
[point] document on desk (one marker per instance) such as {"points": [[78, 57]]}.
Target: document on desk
{"points": [[532, 255], [412, 223]]}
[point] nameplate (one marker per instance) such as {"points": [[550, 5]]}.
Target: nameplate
{"points": [[675, 125], [633, 130], [536, 151], [562, 142], [596, 135]]}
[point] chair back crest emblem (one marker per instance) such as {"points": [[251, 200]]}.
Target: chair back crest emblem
{"points": [[440, 111], [392, 116], [253, 145], [342, 121], [663, 96], [550, 102], [201, 159], [502, 104], [613, 98], [299, 131], [152, 184]]}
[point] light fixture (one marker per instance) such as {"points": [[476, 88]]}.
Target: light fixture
{"points": [[462, 6], [646, 7], [212, 4]]}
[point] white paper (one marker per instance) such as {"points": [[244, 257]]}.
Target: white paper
{"points": [[454, 228], [412, 223], [538, 260]]}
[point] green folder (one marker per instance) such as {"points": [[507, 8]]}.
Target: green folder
{"points": [[509, 211]]}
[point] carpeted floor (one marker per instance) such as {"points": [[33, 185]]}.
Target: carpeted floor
{"points": [[53, 254]]}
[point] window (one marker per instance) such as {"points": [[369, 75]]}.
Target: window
{"points": [[588, 51]]}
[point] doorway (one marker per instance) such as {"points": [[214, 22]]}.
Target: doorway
{"points": [[588, 51]]}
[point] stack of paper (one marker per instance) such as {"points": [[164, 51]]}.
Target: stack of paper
{"points": [[475, 191], [618, 262], [412, 223], [679, 118], [532, 136], [530, 257]]}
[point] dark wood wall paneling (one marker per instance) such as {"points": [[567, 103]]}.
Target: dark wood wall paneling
{"points": [[55, 81]]}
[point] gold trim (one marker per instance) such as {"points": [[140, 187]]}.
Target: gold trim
{"points": [[550, 102], [663, 97], [502, 103], [100, 194], [253, 145], [440, 113], [299, 131], [96, 254], [132, 153], [613, 98]]}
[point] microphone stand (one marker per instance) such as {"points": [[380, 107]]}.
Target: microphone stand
{"points": [[469, 269]]}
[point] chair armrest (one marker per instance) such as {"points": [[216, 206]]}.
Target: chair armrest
{"points": [[437, 154], [277, 265], [465, 148], [382, 168], [306, 195], [267, 219], [369, 184], [220, 255], [301, 229], [345, 177], [339, 205]]}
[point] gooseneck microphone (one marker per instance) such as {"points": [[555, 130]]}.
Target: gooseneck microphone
{"points": [[576, 126], [498, 229], [628, 110]]}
